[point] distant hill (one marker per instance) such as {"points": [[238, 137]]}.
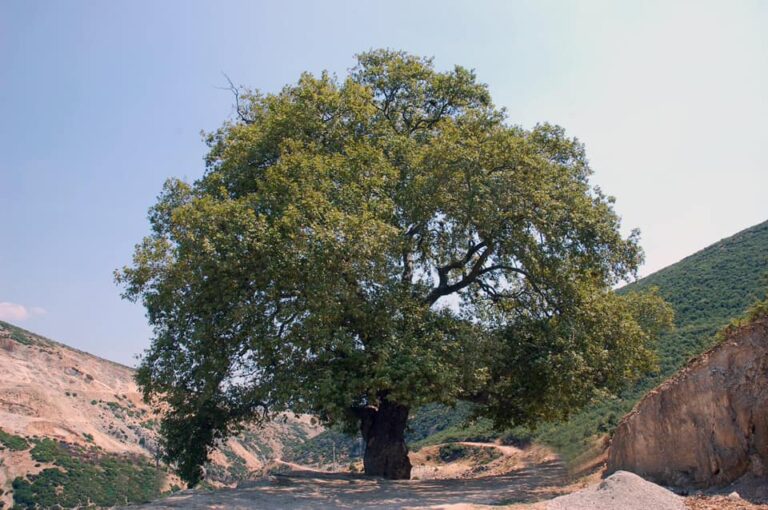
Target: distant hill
{"points": [[74, 429], [706, 289]]}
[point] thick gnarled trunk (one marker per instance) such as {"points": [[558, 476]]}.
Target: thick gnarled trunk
{"points": [[383, 430]]}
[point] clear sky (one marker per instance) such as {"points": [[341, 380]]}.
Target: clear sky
{"points": [[100, 102]]}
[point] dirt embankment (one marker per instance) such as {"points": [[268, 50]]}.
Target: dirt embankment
{"points": [[707, 425]]}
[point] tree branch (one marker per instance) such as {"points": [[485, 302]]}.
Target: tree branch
{"points": [[444, 288], [528, 278], [241, 112], [412, 231], [443, 271]]}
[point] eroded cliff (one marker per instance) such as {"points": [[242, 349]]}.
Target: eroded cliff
{"points": [[708, 424]]}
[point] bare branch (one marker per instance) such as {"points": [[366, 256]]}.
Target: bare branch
{"points": [[241, 112]]}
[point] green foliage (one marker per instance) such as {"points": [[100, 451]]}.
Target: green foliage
{"points": [[237, 467], [320, 449], [85, 477], [255, 442], [429, 425], [708, 289], [306, 271], [12, 442], [149, 424], [757, 311], [432, 419], [452, 452]]}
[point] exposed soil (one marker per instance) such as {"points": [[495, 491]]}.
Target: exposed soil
{"points": [[50, 390], [704, 426], [308, 489], [531, 479], [721, 503]]}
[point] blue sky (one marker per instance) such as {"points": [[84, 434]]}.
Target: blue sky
{"points": [[102, 101]]}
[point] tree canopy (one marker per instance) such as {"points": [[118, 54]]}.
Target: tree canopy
{"points": [[386, 238]]}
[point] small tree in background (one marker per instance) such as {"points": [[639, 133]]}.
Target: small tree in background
{"points": [[362, 247]]}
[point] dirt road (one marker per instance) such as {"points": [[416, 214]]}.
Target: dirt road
{"points": [[313, 490]]}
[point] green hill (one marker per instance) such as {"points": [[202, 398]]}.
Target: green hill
{"points": [[706, 289], [709, 288]]}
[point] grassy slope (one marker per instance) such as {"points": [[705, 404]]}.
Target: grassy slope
{"points": [[707, 290]]}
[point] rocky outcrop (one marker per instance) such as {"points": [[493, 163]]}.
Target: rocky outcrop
{"points": [[708, 424]]}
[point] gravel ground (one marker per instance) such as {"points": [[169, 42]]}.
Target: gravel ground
{"points": [[621, 490], [721, 503]]}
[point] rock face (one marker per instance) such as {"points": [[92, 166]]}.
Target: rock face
{"points": [[708, 424]]}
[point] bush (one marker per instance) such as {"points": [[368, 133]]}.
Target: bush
{"points": [[16, 334], [452, 452], [12, 442], [85, 476]]}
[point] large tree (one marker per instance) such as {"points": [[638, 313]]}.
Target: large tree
{"points": [[357, 248]]}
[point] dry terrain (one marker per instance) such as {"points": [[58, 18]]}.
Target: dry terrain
{"points": [[512, 476], [48, 390], [542, 486], [706, 425]]}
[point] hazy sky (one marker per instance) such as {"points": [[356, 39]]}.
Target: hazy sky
{"points": [[100, 102]]}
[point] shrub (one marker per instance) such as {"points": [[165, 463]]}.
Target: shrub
{"points": [[452, 452], [85, 475], [12, 442]]}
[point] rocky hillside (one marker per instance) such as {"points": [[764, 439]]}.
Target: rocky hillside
{"points": [[73, 427], [707, 425]]}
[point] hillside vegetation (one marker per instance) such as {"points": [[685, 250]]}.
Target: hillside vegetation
{"points": [[707, 290]]}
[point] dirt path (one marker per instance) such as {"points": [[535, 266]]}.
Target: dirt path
{"points": [[505, 450], [306, 489]]}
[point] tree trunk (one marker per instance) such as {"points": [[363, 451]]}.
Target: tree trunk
{"points": [[383, 430]]}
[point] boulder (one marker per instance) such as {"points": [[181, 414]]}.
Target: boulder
{"points": [[708, 424]]}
